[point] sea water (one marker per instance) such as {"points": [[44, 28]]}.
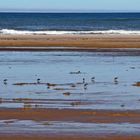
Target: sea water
{"points": [[69, 23]]}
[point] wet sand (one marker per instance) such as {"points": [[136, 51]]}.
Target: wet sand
{"points": [[104, 110], [72, 115], [43, 42], [114, 137], [68, 115]]}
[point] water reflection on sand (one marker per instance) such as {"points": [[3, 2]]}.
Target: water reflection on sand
{"points": [[65, 80], [60, 71]]}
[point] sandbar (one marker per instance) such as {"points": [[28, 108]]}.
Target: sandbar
{"points": [[75, 115], [70, 115], [88, 41]]}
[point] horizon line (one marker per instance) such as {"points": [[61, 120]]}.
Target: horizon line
{"points": [[67, 11]]}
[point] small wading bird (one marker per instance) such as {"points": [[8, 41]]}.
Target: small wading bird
{"points": [[5, 81], [38, 81], [77, 72], [116, 80], [93, 79], [83, 80], [85, 86]]}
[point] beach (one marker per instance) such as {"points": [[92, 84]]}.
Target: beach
{"points": [[45, 96], [69, 115], [32, 42], [69, 76]]}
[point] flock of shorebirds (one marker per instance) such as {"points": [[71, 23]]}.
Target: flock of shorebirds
{"points": [[93, 81], [38, 81]]}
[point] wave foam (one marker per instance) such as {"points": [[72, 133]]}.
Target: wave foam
{"points": [[19, 32]]}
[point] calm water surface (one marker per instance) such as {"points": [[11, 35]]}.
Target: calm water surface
{"points": [[56, 68]]}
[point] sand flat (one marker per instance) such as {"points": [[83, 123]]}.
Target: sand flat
{"points": [[72, 115], [105, 110], [20, 137], [80, 124], [82, 41]]}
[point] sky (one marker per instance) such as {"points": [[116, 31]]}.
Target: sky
{"points": [[70, 5]]}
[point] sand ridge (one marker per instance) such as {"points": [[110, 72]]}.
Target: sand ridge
{"points": [[82, 41]]}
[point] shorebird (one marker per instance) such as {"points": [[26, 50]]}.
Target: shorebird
{"points": [[122, 105], [73, 85], [5, 81], [85, 86], [38, 81], [116, 80], [83, 80], [93, 79], [77, 72]]}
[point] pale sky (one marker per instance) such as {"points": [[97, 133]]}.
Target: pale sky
{"points": [[70, 5]]}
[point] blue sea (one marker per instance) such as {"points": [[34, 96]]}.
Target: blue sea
{"points": [[69, 23]]}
